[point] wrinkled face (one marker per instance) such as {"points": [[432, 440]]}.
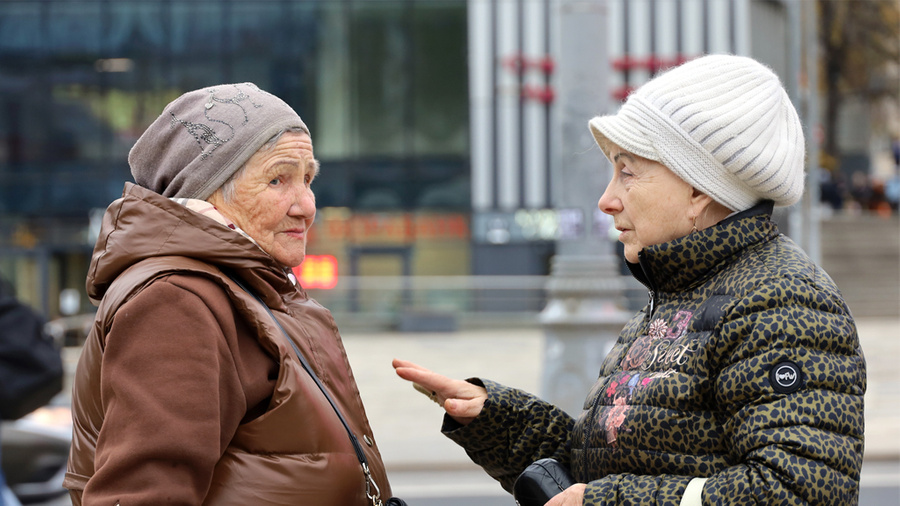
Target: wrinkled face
{"points": [[273, 202], [649, 203]]}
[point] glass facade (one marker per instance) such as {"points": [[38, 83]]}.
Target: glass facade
{"points": [[382, 85]]}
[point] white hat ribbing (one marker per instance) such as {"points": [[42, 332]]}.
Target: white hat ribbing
{"points": [[723, 123]]}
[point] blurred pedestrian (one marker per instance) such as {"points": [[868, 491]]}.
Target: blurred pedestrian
{"points": [[860, 191], [210, 377], [31, 368], [895, 151], [892, 191], [830, 191], [879, 202], [742, 380]]}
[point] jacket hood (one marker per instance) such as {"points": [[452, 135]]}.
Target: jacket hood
{"points": [[143, 224]]}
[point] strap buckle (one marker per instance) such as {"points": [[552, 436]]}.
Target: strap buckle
{"points": [[375, 496]]}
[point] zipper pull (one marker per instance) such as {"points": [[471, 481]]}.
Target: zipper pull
{"points": [[652, 302]]}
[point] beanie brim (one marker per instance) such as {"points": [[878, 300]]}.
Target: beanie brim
{"points": [[667, 145], [616, 130]]}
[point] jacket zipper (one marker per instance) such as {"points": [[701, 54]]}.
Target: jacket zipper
{"points": [[651, 290], [587, 426], [651, 284]]}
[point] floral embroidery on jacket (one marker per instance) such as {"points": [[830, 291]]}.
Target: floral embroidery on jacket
{"points": [[614, 419]]}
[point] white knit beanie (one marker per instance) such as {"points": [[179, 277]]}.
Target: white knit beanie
{"points": [[723, 123]]}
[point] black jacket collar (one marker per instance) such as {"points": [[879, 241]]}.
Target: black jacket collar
{"points": [[685, 262]]}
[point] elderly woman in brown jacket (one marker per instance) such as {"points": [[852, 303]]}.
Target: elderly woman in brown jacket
{"points": [[191, 388]]}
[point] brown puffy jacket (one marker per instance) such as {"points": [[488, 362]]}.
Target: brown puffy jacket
{"points": [[188, 393]]}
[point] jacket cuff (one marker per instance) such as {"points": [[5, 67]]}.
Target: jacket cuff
{"points": [[474, 436]]}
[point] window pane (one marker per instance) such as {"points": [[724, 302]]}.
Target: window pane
{"points": [[199, 44], [136, 28], [380, 49], [20, 24], [273, 46], [259, 27], [440, 100], [73, 28], [332, 130]]}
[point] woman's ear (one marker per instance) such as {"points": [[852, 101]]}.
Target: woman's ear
{"points": [[708, 210], [700, 201]]}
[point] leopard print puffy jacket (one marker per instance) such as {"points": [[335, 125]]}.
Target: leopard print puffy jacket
{"points": [[744, 369]]}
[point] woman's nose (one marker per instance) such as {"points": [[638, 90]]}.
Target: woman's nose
{"points": [[609, 203], [304, 202]]}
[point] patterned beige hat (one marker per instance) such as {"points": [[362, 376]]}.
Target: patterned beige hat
{"points": [[204, 136], [723, 123]]}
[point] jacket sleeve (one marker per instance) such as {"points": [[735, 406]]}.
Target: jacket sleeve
{"points": [[795, 439], [513, 430], [172, 399]]}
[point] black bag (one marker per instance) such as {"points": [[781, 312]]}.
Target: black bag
{"points": [[540, 481], [31, 369]]}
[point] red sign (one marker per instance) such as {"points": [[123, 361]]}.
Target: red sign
{"points": [[317, 271]]}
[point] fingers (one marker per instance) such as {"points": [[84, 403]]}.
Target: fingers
{"points": [[427, 382], [431, 381], [424, 377], [572, 496], [460, 399], [405, 363]]}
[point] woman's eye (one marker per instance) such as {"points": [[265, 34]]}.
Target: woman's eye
{"points": [[275, 181]]}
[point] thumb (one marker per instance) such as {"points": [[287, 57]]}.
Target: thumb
{"points": [[463, 408]]}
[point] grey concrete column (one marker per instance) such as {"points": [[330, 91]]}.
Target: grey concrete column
{"points": [[584, 313], [582, 320]]}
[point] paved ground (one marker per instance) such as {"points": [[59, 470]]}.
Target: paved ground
{"points": [[406, 424]]}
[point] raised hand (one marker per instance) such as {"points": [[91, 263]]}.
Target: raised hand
{"points": [[460, 399]]}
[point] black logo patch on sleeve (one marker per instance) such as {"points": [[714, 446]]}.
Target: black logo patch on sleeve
{"points": [[786, 377]]}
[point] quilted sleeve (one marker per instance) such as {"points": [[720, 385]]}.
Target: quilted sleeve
{"points": [[513, 430]]}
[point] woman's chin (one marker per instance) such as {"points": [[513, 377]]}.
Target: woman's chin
{"points": [[631, 254], [289, 260]]}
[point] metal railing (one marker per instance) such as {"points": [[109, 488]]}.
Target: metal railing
{"points": [[413, 303], [482, 301]]}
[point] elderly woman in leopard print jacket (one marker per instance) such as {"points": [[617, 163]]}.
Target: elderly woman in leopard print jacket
{"points": [[742, 380]]}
